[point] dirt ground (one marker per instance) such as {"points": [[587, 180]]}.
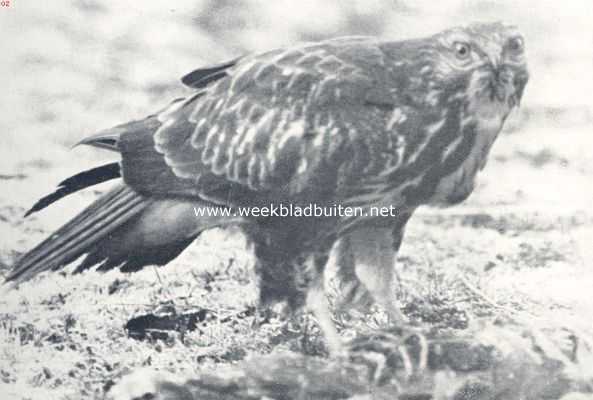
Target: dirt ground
{"points": [[520, 246]]}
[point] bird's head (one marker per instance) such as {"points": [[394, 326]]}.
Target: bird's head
{"points": [[483, 65], [490, 58]]}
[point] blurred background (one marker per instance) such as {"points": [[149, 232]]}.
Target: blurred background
{"points": [[72, 67]]}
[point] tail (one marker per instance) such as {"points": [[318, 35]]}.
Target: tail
{"points": [[122, 229], [81, 234]]}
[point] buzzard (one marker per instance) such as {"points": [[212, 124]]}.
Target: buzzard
{"points": [[352, 121]]}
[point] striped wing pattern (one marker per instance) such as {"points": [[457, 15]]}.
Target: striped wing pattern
{"points": [[283, 122], [336, 121]]}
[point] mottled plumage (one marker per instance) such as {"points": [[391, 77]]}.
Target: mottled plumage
{"points": [[355, 121]]}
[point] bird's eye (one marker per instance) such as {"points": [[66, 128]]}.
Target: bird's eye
{"points": [[515, 45], [462, 50]]}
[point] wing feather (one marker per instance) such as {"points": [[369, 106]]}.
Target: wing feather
{"points": [[201, 77], [277, 124], [271, 119]]}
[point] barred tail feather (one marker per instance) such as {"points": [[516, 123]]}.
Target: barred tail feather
{"points": [[81, 234]]}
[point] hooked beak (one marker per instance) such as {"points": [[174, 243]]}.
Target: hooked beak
{"points": [[507, 84], [508, 77], [519, 82]]}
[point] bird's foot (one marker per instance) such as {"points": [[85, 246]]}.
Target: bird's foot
{"points": [[353, 296]]}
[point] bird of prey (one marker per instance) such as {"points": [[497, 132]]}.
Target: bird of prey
{"points": [[352, 121]]}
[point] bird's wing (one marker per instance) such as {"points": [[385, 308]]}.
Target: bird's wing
{"points": [[202, 77], [279, 123]]}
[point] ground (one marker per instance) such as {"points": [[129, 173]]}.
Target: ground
{"points": [[519, 247]]}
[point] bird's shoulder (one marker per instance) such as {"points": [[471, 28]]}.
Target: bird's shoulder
{"points": [[277, 117], [317, 74]]}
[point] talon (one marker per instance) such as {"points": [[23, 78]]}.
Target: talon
{"points": [[423, 349]]}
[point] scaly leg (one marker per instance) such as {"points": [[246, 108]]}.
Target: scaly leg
{"points": [[375, 259], [352, 293], [317, 303]]}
